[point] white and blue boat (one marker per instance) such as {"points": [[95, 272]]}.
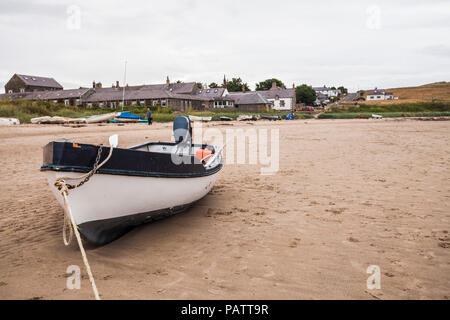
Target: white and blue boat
{"points": [[136, 185]]}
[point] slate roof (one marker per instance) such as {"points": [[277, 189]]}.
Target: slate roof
{"points": [[157, 91], [39, 81], [322, 88], [281, 93], [241, 98], [211, 92], [376, 92], [58, 94]]}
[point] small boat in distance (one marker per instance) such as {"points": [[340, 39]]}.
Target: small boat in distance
{"points": [[136, 185], [202, 119]]}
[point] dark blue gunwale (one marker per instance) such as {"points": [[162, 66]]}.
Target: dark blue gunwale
{"points": [[60, 168]]}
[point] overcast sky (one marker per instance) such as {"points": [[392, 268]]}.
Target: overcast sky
{"points": [[359, 44]]}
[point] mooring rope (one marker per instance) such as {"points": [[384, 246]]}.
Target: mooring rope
{"points": [[64, 187]]}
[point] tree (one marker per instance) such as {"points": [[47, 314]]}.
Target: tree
{"points": [[236, 84], [199, 85], [213, 85], [267, 84], [343, 90], [305, 94]]}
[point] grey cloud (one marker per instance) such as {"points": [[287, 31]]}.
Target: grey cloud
{"points": [[321, 42]]}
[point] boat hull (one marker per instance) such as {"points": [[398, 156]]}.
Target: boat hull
{"points": [[109, 205]]}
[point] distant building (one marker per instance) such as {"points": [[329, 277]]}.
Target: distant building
{"points": [[250, 101], [20, 83], [379, 94], [329, 92], [280, 98], [321, 99], [177, 96], [217, 98]]}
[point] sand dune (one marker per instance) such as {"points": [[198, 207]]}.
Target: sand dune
{"points": [[348, 194]]}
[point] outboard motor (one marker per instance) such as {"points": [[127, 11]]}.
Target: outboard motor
{"points": [[182, 130]]}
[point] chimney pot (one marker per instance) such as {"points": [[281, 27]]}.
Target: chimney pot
{"points": [[167, 81], [93, 84], [117, 84]]}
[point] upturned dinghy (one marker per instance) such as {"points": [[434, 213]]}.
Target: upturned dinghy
{"points": [[130, 186]]}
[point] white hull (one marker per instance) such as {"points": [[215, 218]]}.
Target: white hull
{"points": [[113, 196], [9, 121], [203, 119], [102, 117]]}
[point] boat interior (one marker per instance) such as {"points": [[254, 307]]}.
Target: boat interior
{"points": [[183, 146]]}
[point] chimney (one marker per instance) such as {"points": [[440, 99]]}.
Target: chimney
{"points": [[167, 81], [93, 84], [274, 86], [117, 84], [243, 88], [293, 86], [224, 82]]}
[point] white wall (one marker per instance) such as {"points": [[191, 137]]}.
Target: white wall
{"points": [[375, 97], [277, 103], [329, 93]]}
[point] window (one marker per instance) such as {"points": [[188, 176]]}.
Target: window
{"points": [[378, 97], [100, 104], [10, 91], [142, 102], [55, 101], [78, 102], [22, 90], [155, 102], [89, 105], [66, 102], [134, 102], [163, 103], [282, 103]]}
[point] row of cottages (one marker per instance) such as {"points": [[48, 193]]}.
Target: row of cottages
{"points": [[178, 96], [70, 97], [379, 94]]}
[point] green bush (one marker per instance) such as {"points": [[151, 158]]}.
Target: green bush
{"points": [[330, 115], [403, 107], [25, 110]]}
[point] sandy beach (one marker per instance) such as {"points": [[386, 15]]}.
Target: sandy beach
{"points": [[348, 194]]}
